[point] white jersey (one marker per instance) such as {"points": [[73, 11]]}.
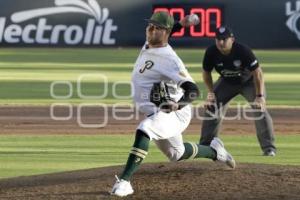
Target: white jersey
{"points": [[155, 65]]}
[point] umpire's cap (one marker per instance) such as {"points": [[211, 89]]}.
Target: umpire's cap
{"points": [[224, 32], [162, 19]]}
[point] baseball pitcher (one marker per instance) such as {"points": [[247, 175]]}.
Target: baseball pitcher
{"points": [[163, 91]]}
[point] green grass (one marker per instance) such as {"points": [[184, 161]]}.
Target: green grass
{"points": [[29, 155], [26, 74]]}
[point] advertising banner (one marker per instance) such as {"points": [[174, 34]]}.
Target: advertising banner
{"points": [[116, 23]]}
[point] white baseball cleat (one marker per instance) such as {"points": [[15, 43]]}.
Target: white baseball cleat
{"points": [[222, 154], [121, 188]]}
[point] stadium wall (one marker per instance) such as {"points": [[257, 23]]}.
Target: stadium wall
{"points": [[106, 23]]}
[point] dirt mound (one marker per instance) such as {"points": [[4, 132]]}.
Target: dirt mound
{"points": [[184, 180]]}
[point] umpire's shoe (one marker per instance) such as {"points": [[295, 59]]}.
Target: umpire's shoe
{"points": [[269, 152], [121, 188], [222, 154]]}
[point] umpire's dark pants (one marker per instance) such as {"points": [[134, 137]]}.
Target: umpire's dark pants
{"points": [[224, 92]]}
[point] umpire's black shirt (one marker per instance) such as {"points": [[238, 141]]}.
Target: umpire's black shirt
{"points": [[235, 67]]}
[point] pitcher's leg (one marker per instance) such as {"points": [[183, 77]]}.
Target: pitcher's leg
{"points": [[176, 150], [137, 154], [172, 147]]}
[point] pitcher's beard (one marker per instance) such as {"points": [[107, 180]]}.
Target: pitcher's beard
{"points": [[154, 42]]}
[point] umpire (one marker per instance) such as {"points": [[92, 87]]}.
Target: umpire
{"points": [[240, 73]]}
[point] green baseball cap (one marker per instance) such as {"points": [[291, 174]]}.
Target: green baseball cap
{"points": [[162, 19]]}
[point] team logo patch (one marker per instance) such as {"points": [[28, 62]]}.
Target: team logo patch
{"points": [[148, 65], [237, 63], [137, 160]]}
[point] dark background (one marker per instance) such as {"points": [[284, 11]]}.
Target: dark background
{"points": [[258, 23]]}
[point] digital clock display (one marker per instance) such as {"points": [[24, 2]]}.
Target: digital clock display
{"points": [[211, 17]]}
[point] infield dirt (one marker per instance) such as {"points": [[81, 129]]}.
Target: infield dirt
{"points": [[37, 120], [163, 181]]}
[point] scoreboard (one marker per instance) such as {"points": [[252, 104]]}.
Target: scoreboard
{"points": [[211, 17]]}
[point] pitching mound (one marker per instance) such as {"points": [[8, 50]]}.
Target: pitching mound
{"points": [[185, 180]]}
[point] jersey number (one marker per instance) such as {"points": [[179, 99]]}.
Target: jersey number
{"points": [[148, 65]]}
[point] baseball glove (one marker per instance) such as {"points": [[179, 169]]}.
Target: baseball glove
{"points": [[160, 96]]}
